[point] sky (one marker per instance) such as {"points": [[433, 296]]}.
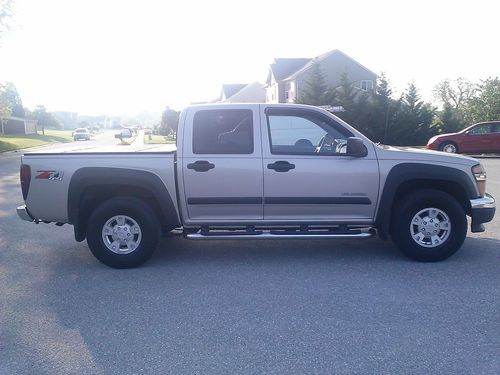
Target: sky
{"points": [[125, 56]]}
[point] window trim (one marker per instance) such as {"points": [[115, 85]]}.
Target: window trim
{"points": [[297, 112], [367, 81], [471, 132], [250, 112]]}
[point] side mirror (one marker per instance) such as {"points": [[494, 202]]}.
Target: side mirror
{"points": [[467, 132], [356, 148]]}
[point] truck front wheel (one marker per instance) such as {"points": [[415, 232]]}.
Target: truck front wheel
{"points": [[428, 225], [123, 232]]}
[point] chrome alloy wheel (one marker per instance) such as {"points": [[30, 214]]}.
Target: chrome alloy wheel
{"points": [[430, 227], [450, 147], [121, 234]]}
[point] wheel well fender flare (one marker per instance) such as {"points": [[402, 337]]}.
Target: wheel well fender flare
{"points": [[95, 177], [416, 175]]}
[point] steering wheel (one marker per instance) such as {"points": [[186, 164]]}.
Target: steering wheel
{"points": [[341, 148], [326, 144]]}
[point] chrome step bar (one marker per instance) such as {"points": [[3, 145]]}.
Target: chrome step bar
{"points": [[273, 235]]}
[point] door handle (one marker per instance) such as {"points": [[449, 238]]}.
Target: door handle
{"points": [[281, 166], [201, 166]]}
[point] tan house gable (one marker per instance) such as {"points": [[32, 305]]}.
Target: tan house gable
{"points": [[286, 77], [243, 93]]}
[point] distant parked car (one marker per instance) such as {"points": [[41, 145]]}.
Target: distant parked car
{"points": [[125, 134], [483, 137], [81, 133]]}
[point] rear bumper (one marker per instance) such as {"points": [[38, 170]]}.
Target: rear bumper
{"points": [[24, 214], [482, 211]]}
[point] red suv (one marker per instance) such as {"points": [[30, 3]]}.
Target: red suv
{"points": [[482, 137]]}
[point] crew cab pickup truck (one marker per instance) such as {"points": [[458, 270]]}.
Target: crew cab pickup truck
{"points": [[257, 171]]}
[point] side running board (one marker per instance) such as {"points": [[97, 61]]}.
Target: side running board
{"points": [[204, 235]]}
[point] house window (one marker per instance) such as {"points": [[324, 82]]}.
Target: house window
{"points": [[228, 131], [366, 85]]}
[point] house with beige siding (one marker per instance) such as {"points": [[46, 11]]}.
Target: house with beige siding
{"points": [[287, 76]]}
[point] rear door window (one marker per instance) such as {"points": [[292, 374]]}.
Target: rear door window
{"points": [[481, 129], [228, 131]]}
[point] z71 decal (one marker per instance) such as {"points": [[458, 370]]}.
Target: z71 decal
{"points": [[49, 175]]}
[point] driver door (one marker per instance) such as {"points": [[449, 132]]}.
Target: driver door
{"points": [[307, 174]]}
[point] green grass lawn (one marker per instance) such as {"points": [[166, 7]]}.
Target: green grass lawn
{"points": [[19, 141], [158, 139]]}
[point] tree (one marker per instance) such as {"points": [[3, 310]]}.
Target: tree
{"points": [[455, 94], [486, 105], [450, 120], [316, 90], [412, 119], [345, 97], [383, 108], [5, 108], [11, 96], [369, 112], [5, 15], [169, 121], [44, 118]]}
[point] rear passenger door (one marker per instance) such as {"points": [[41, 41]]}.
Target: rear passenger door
{"points": [[494, 141], [222, 165]]}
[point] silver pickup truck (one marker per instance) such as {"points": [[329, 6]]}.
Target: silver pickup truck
{"points": [[257, 171]]}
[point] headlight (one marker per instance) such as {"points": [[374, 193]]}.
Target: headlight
{"points": [[432, 140], [480, 175]]}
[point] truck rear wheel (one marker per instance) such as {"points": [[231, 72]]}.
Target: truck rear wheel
{"points": [[428, 225], [123, 232]]}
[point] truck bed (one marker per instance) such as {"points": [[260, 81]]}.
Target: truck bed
{"points": [[113, 149], [48, 196]]}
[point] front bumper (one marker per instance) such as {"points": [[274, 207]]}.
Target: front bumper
{"points": [[432, 146], [24, 214], [482, 211]]}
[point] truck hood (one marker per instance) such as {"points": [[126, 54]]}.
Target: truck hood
{"points": [[408, 153]]}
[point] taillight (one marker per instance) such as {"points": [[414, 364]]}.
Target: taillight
{"points": [[25, 174]]}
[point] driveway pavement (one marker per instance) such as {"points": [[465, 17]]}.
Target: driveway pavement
{"points": [[275, 307]]}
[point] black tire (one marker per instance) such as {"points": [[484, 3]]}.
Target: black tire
{"points": [[144, 217], [448, 144], [410, 205]]}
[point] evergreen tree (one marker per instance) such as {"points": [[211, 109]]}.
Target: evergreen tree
{"points": [[383, 109], [414, 119], [346, 98], [450, 120], [316, 90]]}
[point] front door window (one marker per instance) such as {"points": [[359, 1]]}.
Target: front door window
{"points": [[305, 134]]}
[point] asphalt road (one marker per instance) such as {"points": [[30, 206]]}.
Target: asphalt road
{"points": [[291, 307]]}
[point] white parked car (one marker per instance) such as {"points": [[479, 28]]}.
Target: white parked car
{"points": [[81, 134]]}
